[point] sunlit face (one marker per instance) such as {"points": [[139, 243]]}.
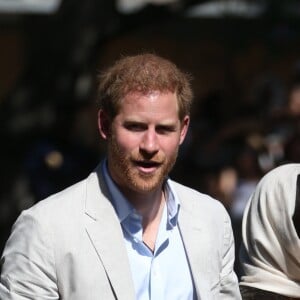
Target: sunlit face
{"points": [[143, 140]]}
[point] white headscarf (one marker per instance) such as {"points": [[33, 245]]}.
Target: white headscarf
{"points": [[270, 254]]}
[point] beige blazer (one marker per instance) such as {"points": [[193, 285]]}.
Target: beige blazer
{"points": [[70, 247]]}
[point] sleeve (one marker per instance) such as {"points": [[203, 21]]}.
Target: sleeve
{"points": [[229, 282], [27, 265]]}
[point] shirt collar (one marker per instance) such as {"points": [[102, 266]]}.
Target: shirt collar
{"points": [[124, 209]]}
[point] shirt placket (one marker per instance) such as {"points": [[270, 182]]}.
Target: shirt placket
{"points": [[157, 282]]}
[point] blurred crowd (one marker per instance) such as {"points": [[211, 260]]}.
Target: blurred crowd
{"points": [[228, 153]]}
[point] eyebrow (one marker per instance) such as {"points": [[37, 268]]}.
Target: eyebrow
{"points": [[296, 216], [167, 123]]}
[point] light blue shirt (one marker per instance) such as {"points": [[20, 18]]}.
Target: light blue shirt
{"points": [[163, 274]]}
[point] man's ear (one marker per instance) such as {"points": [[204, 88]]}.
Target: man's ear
{"points": [[103, 124], [184, 128]]}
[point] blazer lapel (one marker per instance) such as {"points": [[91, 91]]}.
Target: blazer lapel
{"points": [[195, 241], [104, 230]]}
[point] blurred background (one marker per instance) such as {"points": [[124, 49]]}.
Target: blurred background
{"points": [[244, 58]]}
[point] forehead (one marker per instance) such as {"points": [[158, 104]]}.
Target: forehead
{"points": [[151, 102]]}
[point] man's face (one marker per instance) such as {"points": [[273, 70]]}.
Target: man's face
{"points": [[143, 140]]}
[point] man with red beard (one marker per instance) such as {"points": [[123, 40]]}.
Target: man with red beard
{"points": [[127, 231]]}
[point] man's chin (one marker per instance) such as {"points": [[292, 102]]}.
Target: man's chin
{"points": [[144, 185]]}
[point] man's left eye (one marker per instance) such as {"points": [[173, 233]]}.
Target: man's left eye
{"points": [[134, 127], [164, 129]]}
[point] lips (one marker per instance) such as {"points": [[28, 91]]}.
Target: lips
{"points": [[147, 166], [148, 163]]}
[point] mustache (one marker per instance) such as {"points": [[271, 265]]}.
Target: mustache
{"points": [[148, 161]]}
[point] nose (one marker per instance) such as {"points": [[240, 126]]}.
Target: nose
{"points": [[149, 143]]}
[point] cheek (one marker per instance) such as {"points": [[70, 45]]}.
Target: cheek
{"points": [[170, 146], [125, 141]]}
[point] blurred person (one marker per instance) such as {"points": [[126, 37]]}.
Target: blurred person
{"points": [[248, 175], [224, 185], [127, 231], [293, 105], [270, 253], [285, 122]]}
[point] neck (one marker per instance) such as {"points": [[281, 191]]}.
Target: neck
{"points": [[150, 206], [152, 215], [153, 211], [147, 204]]}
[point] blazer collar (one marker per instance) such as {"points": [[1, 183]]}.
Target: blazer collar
{"points": [[104, 230]]}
